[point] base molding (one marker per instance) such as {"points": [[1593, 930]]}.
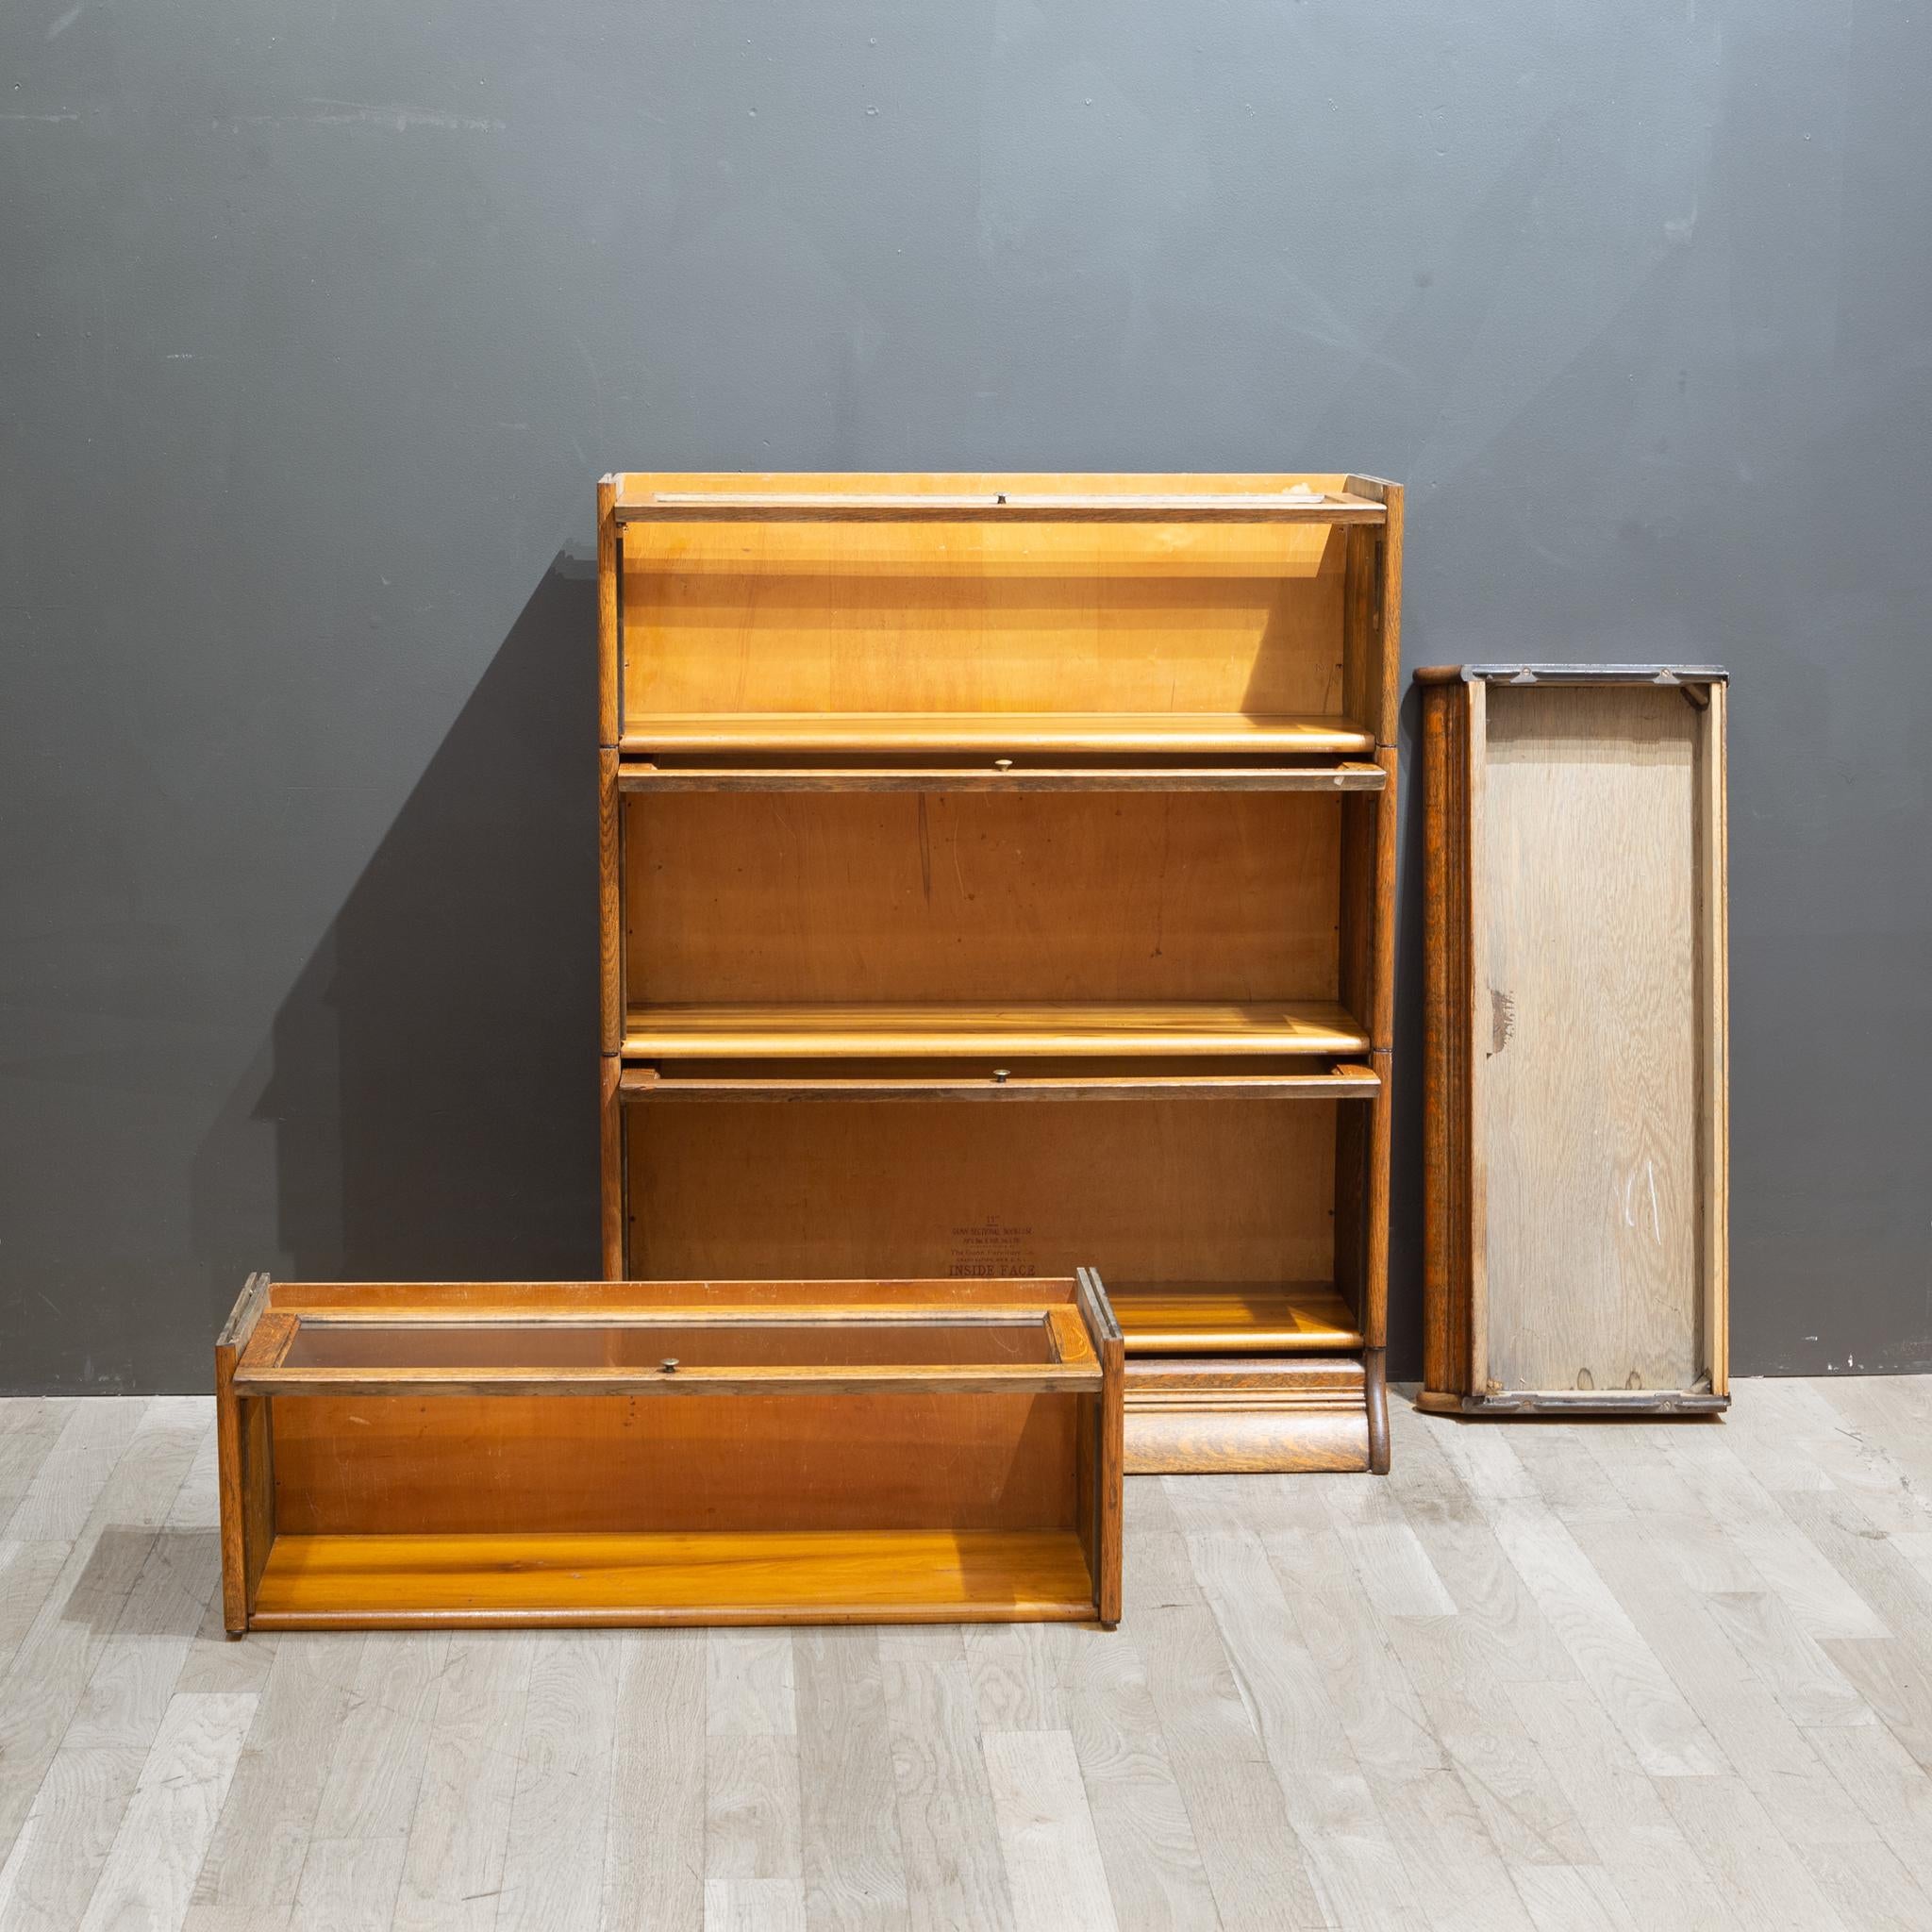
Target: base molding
{"points": [[1600, 1403], [1211, 1416]]}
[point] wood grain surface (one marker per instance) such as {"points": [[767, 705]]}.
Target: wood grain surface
{"points": [[1237, 1190], [718, 1576], [1123, 1029], [1165, 733], [1589, 1123], [1234, 1318], [978, 897]]}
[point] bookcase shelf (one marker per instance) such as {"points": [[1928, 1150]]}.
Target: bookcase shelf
{"points": [[1070, 791], [1046, 772], [1170, 1318], [883, 733], [707, 1576], [1114, 1031], [975, 1077]]}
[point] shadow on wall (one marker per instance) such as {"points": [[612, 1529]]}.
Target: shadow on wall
{"points": [[432, 1077], [1406, 1230]]}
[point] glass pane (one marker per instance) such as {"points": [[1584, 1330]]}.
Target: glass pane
{"points": [[639, 1344]]}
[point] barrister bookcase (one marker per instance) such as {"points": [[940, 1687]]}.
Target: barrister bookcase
{"points": [[402, 1455], [1576, 1059], [997, 877]]}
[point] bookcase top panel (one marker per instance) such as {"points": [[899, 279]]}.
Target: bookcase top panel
{"points": [[998, 496]]}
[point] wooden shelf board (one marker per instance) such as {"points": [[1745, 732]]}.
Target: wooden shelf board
{"points": [[1126, 1030], [1233, 1317], [1016, 507], [880, 733], [642, 775], [1216, 1079], [821, 1576]]}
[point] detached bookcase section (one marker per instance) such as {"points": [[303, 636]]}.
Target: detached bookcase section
{"points": [[1576, 1077], [997, 875], [398, 1455]]}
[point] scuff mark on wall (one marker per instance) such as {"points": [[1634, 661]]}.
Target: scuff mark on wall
{"points": [[398, 119]]}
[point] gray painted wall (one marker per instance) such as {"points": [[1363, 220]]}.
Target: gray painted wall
{"points": [[317, 324]]}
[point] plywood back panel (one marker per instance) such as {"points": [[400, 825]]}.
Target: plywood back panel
{"points": [[963, 896], [982, 617], [1587, 1025], [1147, 1190], [462, 1465]]}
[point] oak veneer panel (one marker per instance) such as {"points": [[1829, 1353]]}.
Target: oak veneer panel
{"points": [[722, 1577], [1167, 1189], [588, 1463], [1590, 1081], [977, 896]]}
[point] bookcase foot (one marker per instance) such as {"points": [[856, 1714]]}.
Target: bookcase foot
{"points": [[1231, 1417]]}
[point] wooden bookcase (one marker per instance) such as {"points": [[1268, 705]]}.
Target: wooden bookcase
{"points": [[1576, 1088], [397, 1455], [997, 875]]}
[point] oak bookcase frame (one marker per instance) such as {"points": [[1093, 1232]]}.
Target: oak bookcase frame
{"points": [[826, 703], [411, 1455]]}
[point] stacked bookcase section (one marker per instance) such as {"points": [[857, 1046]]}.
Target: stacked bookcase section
{"points": [[998, 877]]}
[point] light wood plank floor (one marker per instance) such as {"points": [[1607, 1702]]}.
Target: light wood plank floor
{"points": [[1560, 1676]]}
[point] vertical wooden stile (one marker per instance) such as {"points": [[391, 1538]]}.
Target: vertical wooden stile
{"points": [[609, 902], [1446, 1036], [1110, 1463], [1475, 754], [1714, 1073], [245, 1473], [609, 689], [610, 1139]]}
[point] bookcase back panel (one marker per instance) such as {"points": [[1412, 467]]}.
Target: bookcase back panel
{"points": [[1157, 1191], [878, 617], [1590, 1025], [965, 895], [458, 1465]]}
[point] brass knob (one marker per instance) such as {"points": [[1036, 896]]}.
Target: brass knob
{"points": [[999, 1076], [1003, 764], [669, 1364]]}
